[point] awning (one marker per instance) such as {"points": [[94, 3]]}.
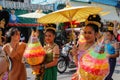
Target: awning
{"points": [[24, 25]]}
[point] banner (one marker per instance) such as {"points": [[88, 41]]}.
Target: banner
{"points": [[37, 1], [42, 1], [82, 0], [108, 2]]}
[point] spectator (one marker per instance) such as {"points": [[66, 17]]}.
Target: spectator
{"points": [[15, 49], [13, 17], [4, 59], [112, 48]]}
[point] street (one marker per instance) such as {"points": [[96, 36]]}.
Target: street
{"points": [[67, 75]]}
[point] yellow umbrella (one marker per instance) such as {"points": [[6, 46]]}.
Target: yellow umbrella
{"points": [[36, 14], [100, 13], [69, 14]]}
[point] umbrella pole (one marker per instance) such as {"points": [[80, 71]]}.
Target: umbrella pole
{"points": [[73, 37]]}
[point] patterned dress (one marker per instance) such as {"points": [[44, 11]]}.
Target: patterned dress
{"points": [[49, 73]]}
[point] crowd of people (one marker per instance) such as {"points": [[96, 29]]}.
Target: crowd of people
{"points": [[11, 52]]}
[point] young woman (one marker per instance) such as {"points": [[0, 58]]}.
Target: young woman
{"points": [[52, 55], [4, 59], [112, 48], [15, 49], [86, 69]]}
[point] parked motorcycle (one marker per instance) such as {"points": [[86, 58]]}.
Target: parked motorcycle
{"points": [[65, 61]]}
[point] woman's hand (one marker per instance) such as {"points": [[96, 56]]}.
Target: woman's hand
{"points": [[35, 67], [74, 50], [108, 55], [116, 46]]}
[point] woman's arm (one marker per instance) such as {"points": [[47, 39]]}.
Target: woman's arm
{"points": [[12, 52], [74, 53], [116, 46]]}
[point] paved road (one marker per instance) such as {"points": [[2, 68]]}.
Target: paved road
{"points": [[67, 75]]}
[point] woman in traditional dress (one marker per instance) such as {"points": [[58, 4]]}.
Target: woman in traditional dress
{"points": [[48, 70], [112, 48], [4, 59], [15, 49], [92, 63]]}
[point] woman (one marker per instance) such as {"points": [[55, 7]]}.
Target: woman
{"points": [[15, 49], [52, 55], [112, 48], [85, 70], [4, 59]]}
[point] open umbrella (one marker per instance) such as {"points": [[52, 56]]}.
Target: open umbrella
{"points": [[102, 13], [36, 14], [69, 14]]}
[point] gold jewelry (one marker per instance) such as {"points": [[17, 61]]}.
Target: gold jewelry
{"points": [[50, 28], [110, 28], [93, 22]]}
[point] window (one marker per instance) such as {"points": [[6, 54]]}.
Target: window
{"points": [[17, 0]]}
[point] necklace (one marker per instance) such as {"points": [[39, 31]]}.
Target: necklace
{"points": [[87, 46], [49, 46]]}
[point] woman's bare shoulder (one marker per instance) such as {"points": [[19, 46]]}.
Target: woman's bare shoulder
{"points": [[56, 46], [23, 44]]}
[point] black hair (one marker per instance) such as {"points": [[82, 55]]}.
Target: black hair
{"points": [[94, 21], [111, 32], [94, 27], [51, 31], [10, 33], [4, 15]]}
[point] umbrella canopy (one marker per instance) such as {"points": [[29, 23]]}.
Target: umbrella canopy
{"points": [[36, 14], [69, 14], [100, 13]]}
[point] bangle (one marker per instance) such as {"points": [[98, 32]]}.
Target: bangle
{"points": [[44, 66]]}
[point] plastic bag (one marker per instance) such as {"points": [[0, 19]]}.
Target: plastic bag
{"points": [[34, 52]]}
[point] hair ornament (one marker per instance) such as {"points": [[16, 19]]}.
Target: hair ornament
{"points": [[93, 19], [50, 26], [93, 22], [110, 26]]}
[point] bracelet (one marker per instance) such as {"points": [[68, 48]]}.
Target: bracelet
{"points": [[43, 66]]}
